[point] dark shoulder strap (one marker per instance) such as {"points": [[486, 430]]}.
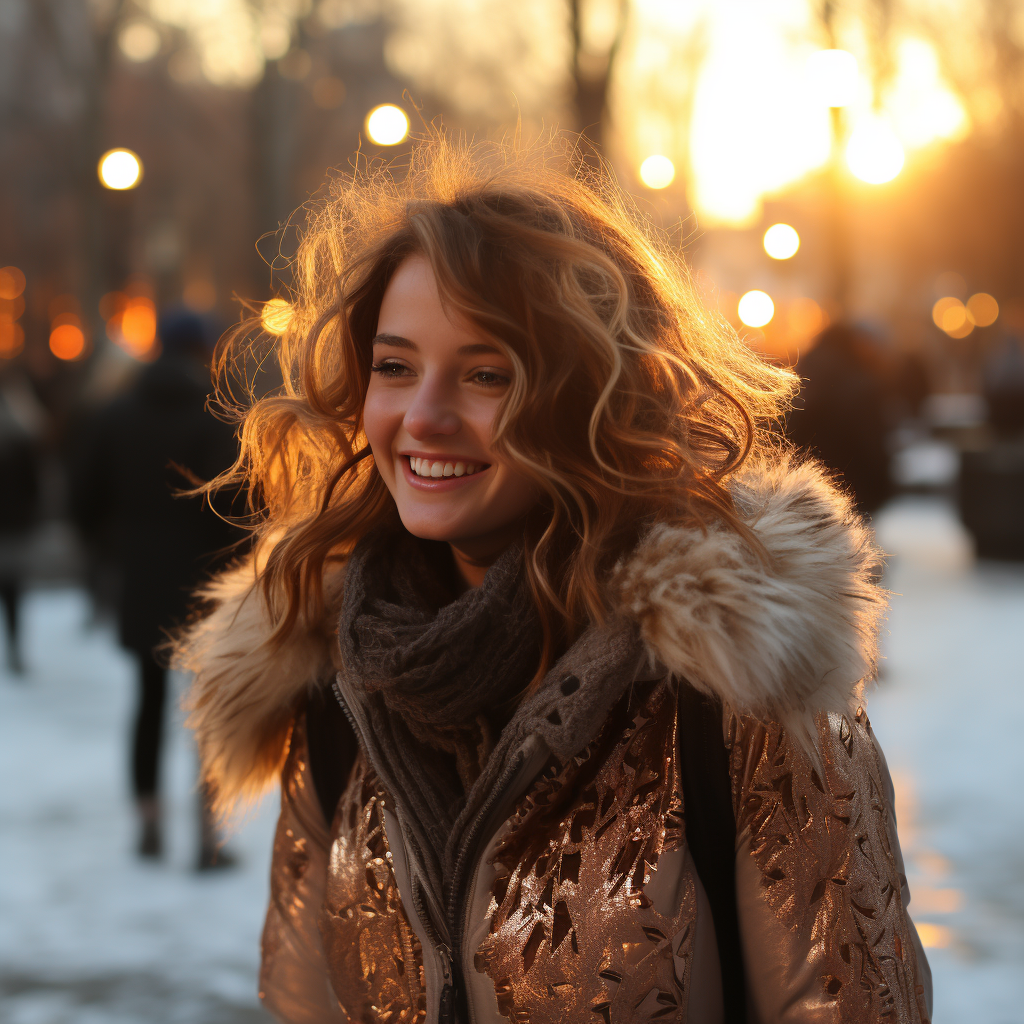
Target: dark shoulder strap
{"points": [[332, 748], [711, 832]]}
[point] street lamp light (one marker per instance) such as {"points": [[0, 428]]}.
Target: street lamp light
{"points": [[657, 171], [781, 241], [120, 169], [387, 125]]}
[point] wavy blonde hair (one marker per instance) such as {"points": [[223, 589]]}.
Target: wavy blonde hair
{"points": [[630, 404]]}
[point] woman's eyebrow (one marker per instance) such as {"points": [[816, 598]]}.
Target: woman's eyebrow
{"points": [[473, 349], [395, 340], [479, 348]]}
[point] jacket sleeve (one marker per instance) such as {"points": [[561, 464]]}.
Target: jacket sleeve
{"points": [[821, 891], [294, 985]]}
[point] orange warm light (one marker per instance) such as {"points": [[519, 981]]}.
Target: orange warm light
{"points": [[67, 340], [12, 283], [792, 331], [12, 338], [131, 324], [982, 309], [949, 314]]}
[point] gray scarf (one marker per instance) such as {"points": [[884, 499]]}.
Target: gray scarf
{"points": [[433, 672]]}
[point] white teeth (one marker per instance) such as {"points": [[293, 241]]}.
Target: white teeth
{"points": [[436, 470]]}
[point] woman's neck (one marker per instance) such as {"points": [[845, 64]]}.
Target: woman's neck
{"points": [[470, 570], [475, 556]]}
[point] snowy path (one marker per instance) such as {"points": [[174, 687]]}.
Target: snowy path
{"points": [[88, 935], [948, 713]]}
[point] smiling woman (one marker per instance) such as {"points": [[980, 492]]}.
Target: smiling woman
{"points": [[558, 657]]}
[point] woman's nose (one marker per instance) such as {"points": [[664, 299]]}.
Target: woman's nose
{"points": [[431, 412]]}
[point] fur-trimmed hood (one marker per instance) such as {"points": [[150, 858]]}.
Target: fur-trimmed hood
{"points": [[785, 633]]}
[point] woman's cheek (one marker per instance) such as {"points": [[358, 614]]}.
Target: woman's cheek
{"points": [[380, 424]]}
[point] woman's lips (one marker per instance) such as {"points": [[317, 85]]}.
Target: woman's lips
{"points": [[470, 471]]}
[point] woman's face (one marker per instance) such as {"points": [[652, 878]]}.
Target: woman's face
{"points": [[434, 393]]}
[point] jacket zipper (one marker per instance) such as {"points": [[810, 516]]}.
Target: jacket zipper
{"points": [[442, 951], [456, 921]]}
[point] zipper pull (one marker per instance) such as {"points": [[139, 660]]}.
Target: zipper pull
{"points": [[446, 1010]]}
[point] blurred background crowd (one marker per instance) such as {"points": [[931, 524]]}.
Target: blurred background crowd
{"points": [[845, 177]]}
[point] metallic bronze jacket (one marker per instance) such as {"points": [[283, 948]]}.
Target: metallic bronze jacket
{"points": [[582, 903]]}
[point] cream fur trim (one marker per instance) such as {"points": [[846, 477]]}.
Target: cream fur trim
{"points": [[245, 690], [785, 637]]}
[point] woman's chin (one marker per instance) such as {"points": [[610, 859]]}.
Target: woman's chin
{"points": [[431, 527]]}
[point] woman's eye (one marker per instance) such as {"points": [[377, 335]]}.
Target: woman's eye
{"points": [[491, 378], [387, 369]]}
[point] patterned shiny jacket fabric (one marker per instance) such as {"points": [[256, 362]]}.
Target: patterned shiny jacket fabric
{"points": [[581, 901]]}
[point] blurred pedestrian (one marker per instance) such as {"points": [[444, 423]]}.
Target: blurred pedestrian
{"points": [[991, 484], [840, 414], [20, 423], [149, 443], [1003, 388]]}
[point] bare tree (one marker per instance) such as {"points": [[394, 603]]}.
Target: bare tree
{"points": [[592, 65]]}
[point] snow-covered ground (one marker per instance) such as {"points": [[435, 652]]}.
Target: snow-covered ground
{"points": [[90, 935], [947, 712]]}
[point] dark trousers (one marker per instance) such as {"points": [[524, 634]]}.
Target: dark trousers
{"points": [[10, 595], [149, 722]]}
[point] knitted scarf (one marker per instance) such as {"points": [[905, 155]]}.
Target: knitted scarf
{"points": [[435, 674]]}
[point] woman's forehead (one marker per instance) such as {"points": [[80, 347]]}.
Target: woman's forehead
{"points": [[413, 315]]}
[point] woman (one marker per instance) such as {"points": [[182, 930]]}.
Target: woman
{"points": [[558, 659]]}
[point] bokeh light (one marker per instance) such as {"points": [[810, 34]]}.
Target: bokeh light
{"points": [[12, 283], [387, 125], [933, 936], [131, 324], [12, 308], [12, 337], [138, 325], [67, 339], [120, 169], [781, 241], [12, 305], [834, 78], [982, 309], [874, 153], [804, 319], [657, 171], [276, 316], [139, 41], [949, 314], [755, 308]]}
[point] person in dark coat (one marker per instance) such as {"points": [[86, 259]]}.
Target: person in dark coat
{"points": [[19, 471], [840, 413], [142, 451]]}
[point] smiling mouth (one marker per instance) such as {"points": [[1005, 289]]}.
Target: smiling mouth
{"points": [[436, 468]]}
